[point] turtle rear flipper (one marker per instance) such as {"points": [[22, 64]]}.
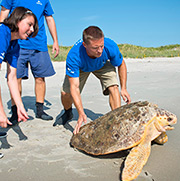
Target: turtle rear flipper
{"points": [[136, 159], [163, 138]]}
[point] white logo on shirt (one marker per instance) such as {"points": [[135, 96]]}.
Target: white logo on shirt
{"points": [[79, 41], [70, 70], [2, 55], [39, 2]]}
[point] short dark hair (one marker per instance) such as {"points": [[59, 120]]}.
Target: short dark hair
{"points": [[19, 14], [92, 33]]}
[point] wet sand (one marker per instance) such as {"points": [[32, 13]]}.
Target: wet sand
{"points": [[35, 150]]}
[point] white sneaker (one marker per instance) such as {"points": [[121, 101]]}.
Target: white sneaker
{"points": [[1, 155]]}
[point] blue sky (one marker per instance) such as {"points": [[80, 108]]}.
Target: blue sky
{"points": [[148, 23]]}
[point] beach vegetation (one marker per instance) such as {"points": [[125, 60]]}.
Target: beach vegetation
{"points": [[129, 51]]}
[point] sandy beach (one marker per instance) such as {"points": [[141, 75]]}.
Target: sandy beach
{"points": [[35, 150]]}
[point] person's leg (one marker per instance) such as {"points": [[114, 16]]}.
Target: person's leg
{"points": [[20, 90], [67, 100], [14, 118], [108, 78], [22, 72], [114, 97], [40, 89], [41, 67]]}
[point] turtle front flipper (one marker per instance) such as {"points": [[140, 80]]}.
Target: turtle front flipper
{"points": [[135, 161], [137, 158]]}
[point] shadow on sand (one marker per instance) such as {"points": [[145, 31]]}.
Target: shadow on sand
{"points": [[29, 104], [90, 114]]}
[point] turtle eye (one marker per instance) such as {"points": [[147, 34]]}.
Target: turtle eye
{"points": [[169, 119]]}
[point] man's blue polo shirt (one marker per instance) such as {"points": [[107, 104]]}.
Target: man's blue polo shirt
{"points": [[78, 59]]}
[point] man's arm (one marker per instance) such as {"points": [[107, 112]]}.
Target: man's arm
{"points": [[122, 71], [75, 93], [52, 29], [4, 13]]}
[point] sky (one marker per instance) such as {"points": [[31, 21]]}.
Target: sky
{"points": [[147, 23]]}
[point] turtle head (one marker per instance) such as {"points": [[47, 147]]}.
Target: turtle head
{"points": [[166, 119]]}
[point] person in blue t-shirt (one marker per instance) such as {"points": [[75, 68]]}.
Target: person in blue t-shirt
{"points": [[21, 24], [34, 51], [100, 56]]}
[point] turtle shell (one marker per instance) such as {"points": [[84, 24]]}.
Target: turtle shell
{"points": [[117, 130]]}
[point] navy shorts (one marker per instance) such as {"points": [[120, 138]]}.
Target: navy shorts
{"points": [[40, 64]]}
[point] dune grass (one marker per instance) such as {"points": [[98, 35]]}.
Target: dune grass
{"points": [[129, 51], [62, 55]]}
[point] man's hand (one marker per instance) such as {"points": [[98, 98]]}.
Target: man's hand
{"points": [[81, 119], [55, 48], [22, 114], [4, 121], [126, 97]]}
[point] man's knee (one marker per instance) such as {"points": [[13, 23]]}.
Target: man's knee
{"points": [[40, 80], [113, 89]]}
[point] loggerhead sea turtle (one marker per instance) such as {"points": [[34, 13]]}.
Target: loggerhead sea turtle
{"points": [[130, 126]]}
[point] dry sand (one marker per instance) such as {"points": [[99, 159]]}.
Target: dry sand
{"points": [[35, 150]]}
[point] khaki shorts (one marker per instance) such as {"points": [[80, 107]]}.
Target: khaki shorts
{"points": [[107, 76]]}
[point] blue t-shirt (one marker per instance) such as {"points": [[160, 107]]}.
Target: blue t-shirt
{"points": [[78, 59], [9, 50], [40, 8]]}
